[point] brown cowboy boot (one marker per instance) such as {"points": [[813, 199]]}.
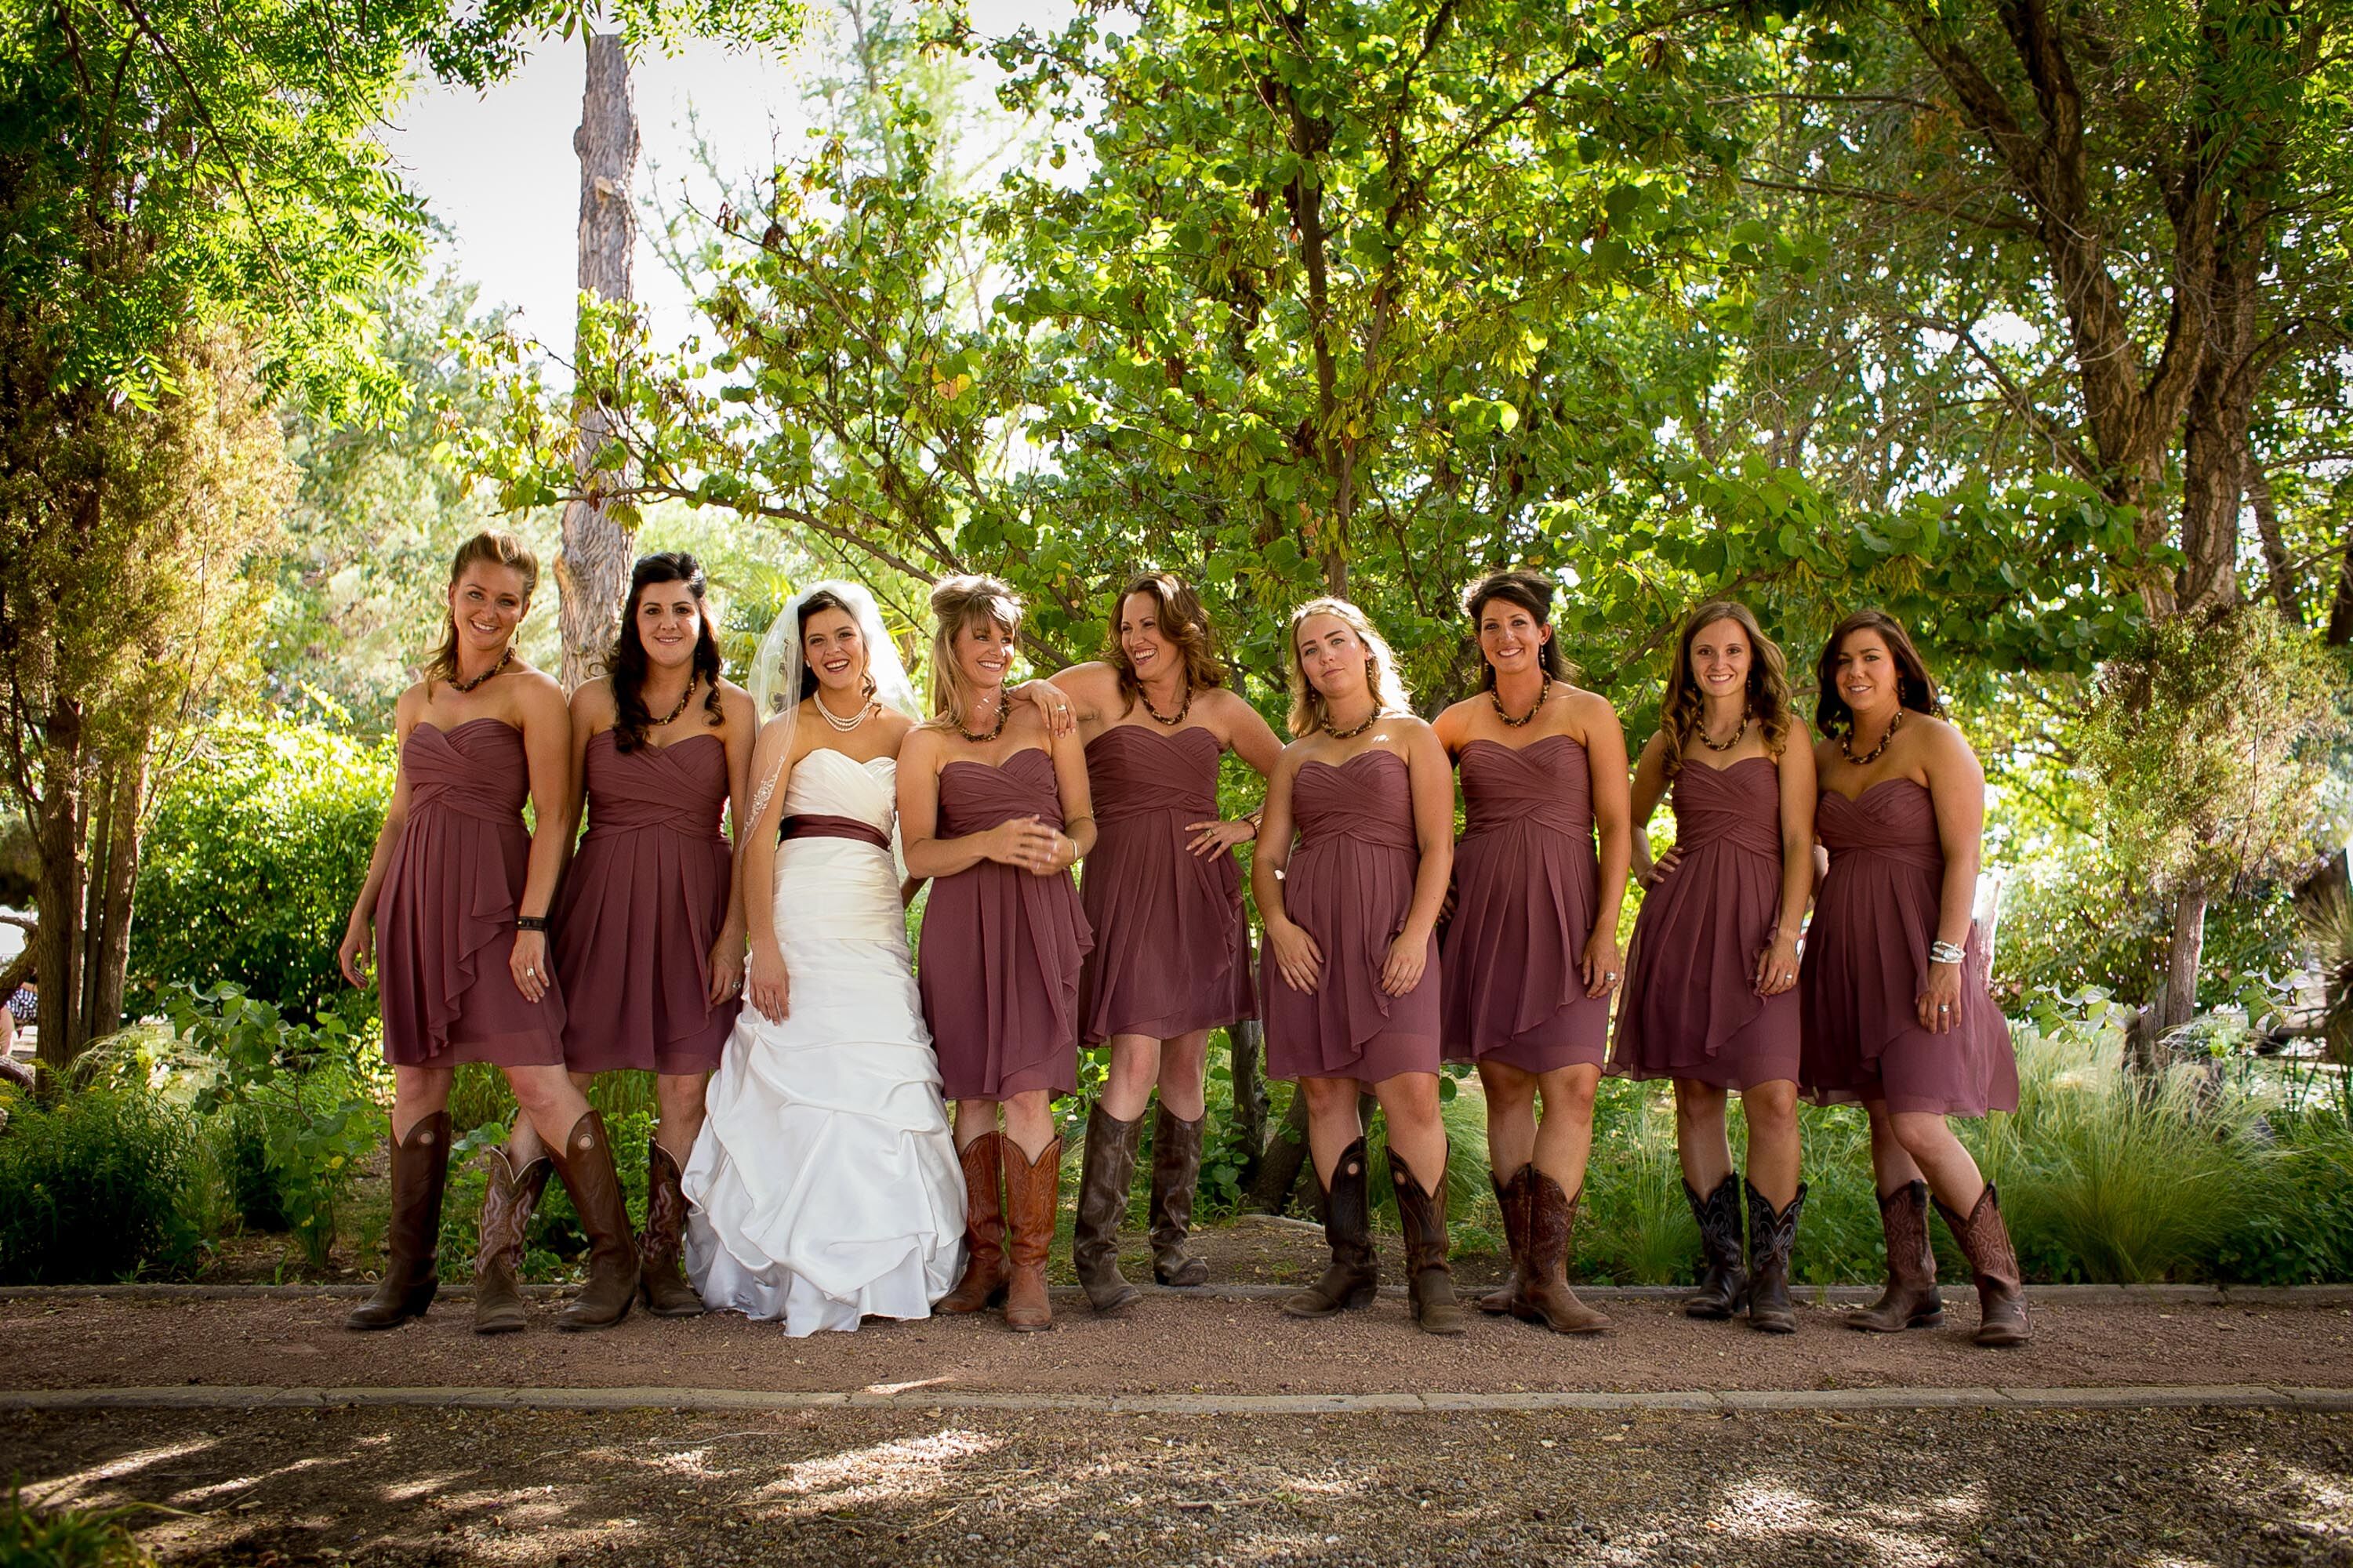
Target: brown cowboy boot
{"points": [[662, 1282], [1722, 1279], [1033, 1188], [984, 1271], [585, 1163], [1910, 1301], [1107, 1170], [1770, 1237], [1545, 1294], [420, 1169], [1512, 1198], [1354, 1277], [1176, 1168], [507, 1205], [1429, 1277], [2001, 1293]]}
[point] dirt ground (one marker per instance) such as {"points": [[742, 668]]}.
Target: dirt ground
{"points": [[396, 1489]]}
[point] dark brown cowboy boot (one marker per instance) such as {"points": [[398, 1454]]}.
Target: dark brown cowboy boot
{"points": [[1032, 1189], [1545, 1295], [1770, 1237], [984, 1271], [1429, 1277], [661, 1280], [420, 1170], [1512, 1198], [1107, 1170], [2001, 1292], [1910, 1301], [1353, 1277], [1722, 1278], [585, 1163], [507, 1205], [1176, 1170]]}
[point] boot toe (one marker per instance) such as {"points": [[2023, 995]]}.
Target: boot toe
{"points": [[1185, 1276]]}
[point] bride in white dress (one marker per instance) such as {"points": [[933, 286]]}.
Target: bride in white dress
{"points": [[825, 1186]]}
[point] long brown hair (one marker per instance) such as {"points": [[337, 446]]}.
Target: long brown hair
{"points": [[1308, 713], [1914, 689], [492, 547], [1183, 621], [626, 663], [957, 603], [1685, 706], [1531, 593]]}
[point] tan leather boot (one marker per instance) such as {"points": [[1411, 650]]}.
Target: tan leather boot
{"points": [[420, 1170], [1353, 1277], [507, 1205], [2001, 1292], [661, 1278], [1552, 1221], [1175, 1170], [984, 1271], [1107, 1170], [585, 1163], [1512, 1197], [1032, 1190], [1910, 1301], [1428, 1276]]}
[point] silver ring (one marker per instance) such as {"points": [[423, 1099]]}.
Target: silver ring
{"points": [[1610, 975], [1944, 1008]]}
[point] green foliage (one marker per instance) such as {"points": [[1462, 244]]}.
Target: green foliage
{"points": [[251, 860], [481, 1109], [91, 1188], [32, 1536]]}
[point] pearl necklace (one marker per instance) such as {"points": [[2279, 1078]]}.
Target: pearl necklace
{"points": [[841, 726]]}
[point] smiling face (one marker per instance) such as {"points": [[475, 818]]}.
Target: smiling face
{"points": [[1333, 658], [1869, 680], [1721, 659], [983, 653], [1150, 651], [1510, 638], [834, 649], [487, 602], [668, 619]]}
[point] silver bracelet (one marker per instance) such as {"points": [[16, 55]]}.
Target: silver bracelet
{"points": [[1947, 953]]}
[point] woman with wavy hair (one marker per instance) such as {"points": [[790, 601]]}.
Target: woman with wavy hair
{"points": [[649, 930], [1351, 983], [1711, 989], [993, 806], [456, 909], [1897, 1013], [1532, 944], [1171, 958]]}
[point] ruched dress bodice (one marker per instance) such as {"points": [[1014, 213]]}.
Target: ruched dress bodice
{"points": [[838, 827]]}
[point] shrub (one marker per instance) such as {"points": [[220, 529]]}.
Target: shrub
{"points": [[248, 869], [92, 1188], [34, 1537]]}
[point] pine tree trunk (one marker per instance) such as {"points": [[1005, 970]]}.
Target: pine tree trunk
{"points": [[592, 573]]}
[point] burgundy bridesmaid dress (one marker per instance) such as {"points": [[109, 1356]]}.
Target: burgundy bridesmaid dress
{"points": [[1171, 953], [445, 923], [1526, 879], [1349, 886], [1866, 956], [642, 906], [1001, 948], [1690, 1009]]}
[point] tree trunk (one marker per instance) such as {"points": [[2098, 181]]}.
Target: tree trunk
{"points": [[1280, 1164], [59, 889], [2180, 1001], [592, 573], [2276, 564], [114, 857], [2340, 604], [1248, 1063]]}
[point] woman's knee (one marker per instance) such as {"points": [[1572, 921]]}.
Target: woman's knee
{"points": [[1923, 1134], [1772, 1106], [1569, 1092]]}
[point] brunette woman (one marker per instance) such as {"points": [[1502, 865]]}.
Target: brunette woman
{"points": [[648, 935], [1896, 1010], [1351, 983], [993, 806], [455, 907], [1532, 946], [1164, 899], [1711, 990]]}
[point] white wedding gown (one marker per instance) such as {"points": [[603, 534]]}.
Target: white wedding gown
{"points": [[825, 1186]]}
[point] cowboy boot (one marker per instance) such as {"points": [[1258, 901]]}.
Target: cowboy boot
{"points": [[1353, 1277], [1176, 1169], [1545, 1295], [507, 1205], [2001, 1293], [1512, 1198], [1033, 1188], [1429, 1277], [1910, 1301], [1107, 1170], [420, 1169], [1722, 1279], [585, 1163], [1770, 1237], [984, 1272], [662, 1282]]}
